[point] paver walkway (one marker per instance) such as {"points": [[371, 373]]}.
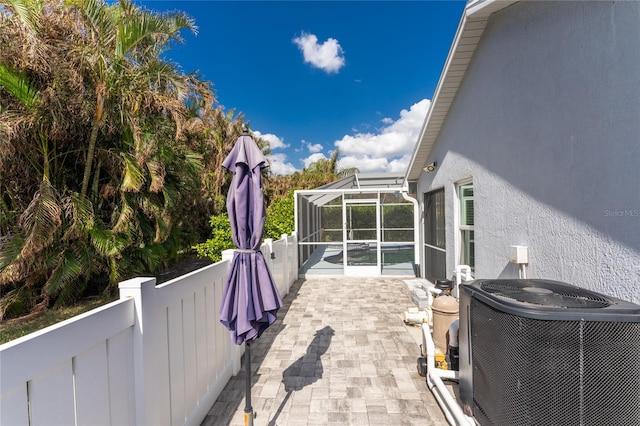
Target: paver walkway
{"points": [[339, 354]]}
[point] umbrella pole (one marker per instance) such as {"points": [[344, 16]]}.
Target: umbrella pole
{"points": [[248, 410]]}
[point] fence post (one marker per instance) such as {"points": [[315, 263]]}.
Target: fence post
{"points": [[236, 350], [295, 253], [286, 265], [147, 377], [269, 243]]}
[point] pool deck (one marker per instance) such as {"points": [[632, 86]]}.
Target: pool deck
{"points": [[339, 354]]}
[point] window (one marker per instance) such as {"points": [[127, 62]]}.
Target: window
{"points": [[467, 252], [435, 254]]}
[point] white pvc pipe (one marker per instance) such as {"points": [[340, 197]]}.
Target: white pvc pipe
{"points": [[462, 271], [435, 291], [447, 402], [432, 293], [416, 227], [523, 271]]}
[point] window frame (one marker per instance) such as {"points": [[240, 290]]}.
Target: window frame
{"points": [[463, 229]]}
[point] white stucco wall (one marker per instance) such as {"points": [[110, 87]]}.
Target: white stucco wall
{"points": [[547, 123]]}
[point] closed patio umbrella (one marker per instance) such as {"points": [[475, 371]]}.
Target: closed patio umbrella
{"points": [[250, 300]]}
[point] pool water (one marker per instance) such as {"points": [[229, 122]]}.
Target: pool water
{"points": [[391, 255]]}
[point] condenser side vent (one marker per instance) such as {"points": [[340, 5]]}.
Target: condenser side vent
{"points": [[544, 363]]}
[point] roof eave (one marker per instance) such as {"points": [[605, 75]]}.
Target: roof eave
{"points": [[465, 42]]}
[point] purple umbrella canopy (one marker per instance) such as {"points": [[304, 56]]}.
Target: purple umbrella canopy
{"points": [[250, 300]]}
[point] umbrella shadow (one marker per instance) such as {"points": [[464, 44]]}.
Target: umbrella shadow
{"points": [[307, 369], [232, 395]]}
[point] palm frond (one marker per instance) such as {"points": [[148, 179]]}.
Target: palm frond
{"points": [[115, 270], [7, 215], [16, 301], [133, 178], [151, 255], [28, 11], [41, 220], [91, 261], [100, 18], [68, 270], [170, 85], [348, 172], [140, 25], [126, 218], [10, 248], [20, 87], [171, 196], [193, 162], [106, 242], [163, 226], [162, 218], [70, 293], [157, 173], [79, 211]]}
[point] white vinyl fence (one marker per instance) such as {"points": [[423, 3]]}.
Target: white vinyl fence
{"points": [[156, 356]]}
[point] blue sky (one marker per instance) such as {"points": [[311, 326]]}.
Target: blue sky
{"points": [[311, 77]]}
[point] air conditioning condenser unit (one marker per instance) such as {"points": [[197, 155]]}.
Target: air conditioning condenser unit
{"points": [[541, 352]]}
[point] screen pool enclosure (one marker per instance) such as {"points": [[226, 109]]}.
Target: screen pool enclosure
{"points": [[361, 225]]}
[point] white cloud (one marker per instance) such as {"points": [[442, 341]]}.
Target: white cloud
{"points": [[279, 166], [313, 148], [365, 164], [390, 149], [327, 56], [313, 158], [275, 142], [387, 150]]}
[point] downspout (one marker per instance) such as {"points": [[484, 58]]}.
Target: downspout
{"points": [[296, 230], [416, 227], [295, 212]]}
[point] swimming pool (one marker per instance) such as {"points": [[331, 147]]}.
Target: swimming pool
{"points": [[364, 255]]}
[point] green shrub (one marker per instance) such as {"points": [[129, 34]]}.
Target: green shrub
{"points": [[280, 220], [280, 217], [221, 239]]}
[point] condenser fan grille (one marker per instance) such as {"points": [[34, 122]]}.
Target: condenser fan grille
{"points": [[546, 293]]}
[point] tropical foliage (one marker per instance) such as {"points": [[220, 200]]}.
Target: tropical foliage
{"points": [[220, 238], [110, 155], [280, 217], [102, 151]]}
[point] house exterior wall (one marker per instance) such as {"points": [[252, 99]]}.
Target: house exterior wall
{"points": [[547, 124]]}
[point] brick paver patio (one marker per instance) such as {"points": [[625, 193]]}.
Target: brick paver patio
{"points": [[339, 354]]}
